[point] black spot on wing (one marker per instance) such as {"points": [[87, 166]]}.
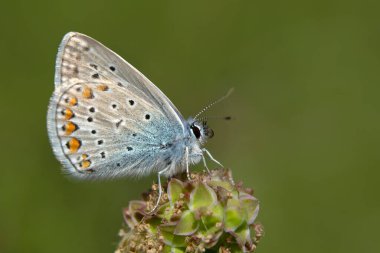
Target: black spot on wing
{"points": [[118, 123]]}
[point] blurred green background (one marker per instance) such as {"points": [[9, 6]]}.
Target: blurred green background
{"points": [[306, 107]]}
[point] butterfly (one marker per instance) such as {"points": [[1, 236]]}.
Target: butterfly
{"points": [[106, 119]]}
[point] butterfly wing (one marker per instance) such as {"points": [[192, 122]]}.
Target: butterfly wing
{"points": [[83, 58], [105, 118]]}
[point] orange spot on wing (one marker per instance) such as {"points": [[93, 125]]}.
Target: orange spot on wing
{"points": [[68, 114], [87, 93], [102, 87], [73, 101], [73, 145], [70, 127], [85, 164]]}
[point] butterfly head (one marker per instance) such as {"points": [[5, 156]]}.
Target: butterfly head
{"points": [[200, 130]]}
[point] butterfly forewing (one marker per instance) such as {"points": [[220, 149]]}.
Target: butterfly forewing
{"points": [[105, 118]]}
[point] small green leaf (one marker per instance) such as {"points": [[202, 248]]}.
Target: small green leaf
{"points": [[202, 197], [216, 216], [251, 206], [170, 239], [154, 222], [164, 211], [224, 184], [242, 235], [233, 219], [234, 216], [175, 188], [187, 225], [168, 249]]}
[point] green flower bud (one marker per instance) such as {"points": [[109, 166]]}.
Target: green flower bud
{"points": [[210, 213]]}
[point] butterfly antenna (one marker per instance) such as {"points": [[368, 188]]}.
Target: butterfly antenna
{"points": [[215, 117], [215, 102]]}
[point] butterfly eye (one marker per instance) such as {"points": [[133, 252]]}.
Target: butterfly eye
{"points": [[196, 131]]}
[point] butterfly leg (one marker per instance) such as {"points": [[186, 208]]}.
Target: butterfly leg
{"points": [[187, 163], [212, 158], [159, 188], [205, 164]]}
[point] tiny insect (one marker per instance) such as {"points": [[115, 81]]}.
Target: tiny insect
{"points": [[107, 120]]}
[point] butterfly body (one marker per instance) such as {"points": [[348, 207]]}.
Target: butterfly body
{"points": [[106, 119]]}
